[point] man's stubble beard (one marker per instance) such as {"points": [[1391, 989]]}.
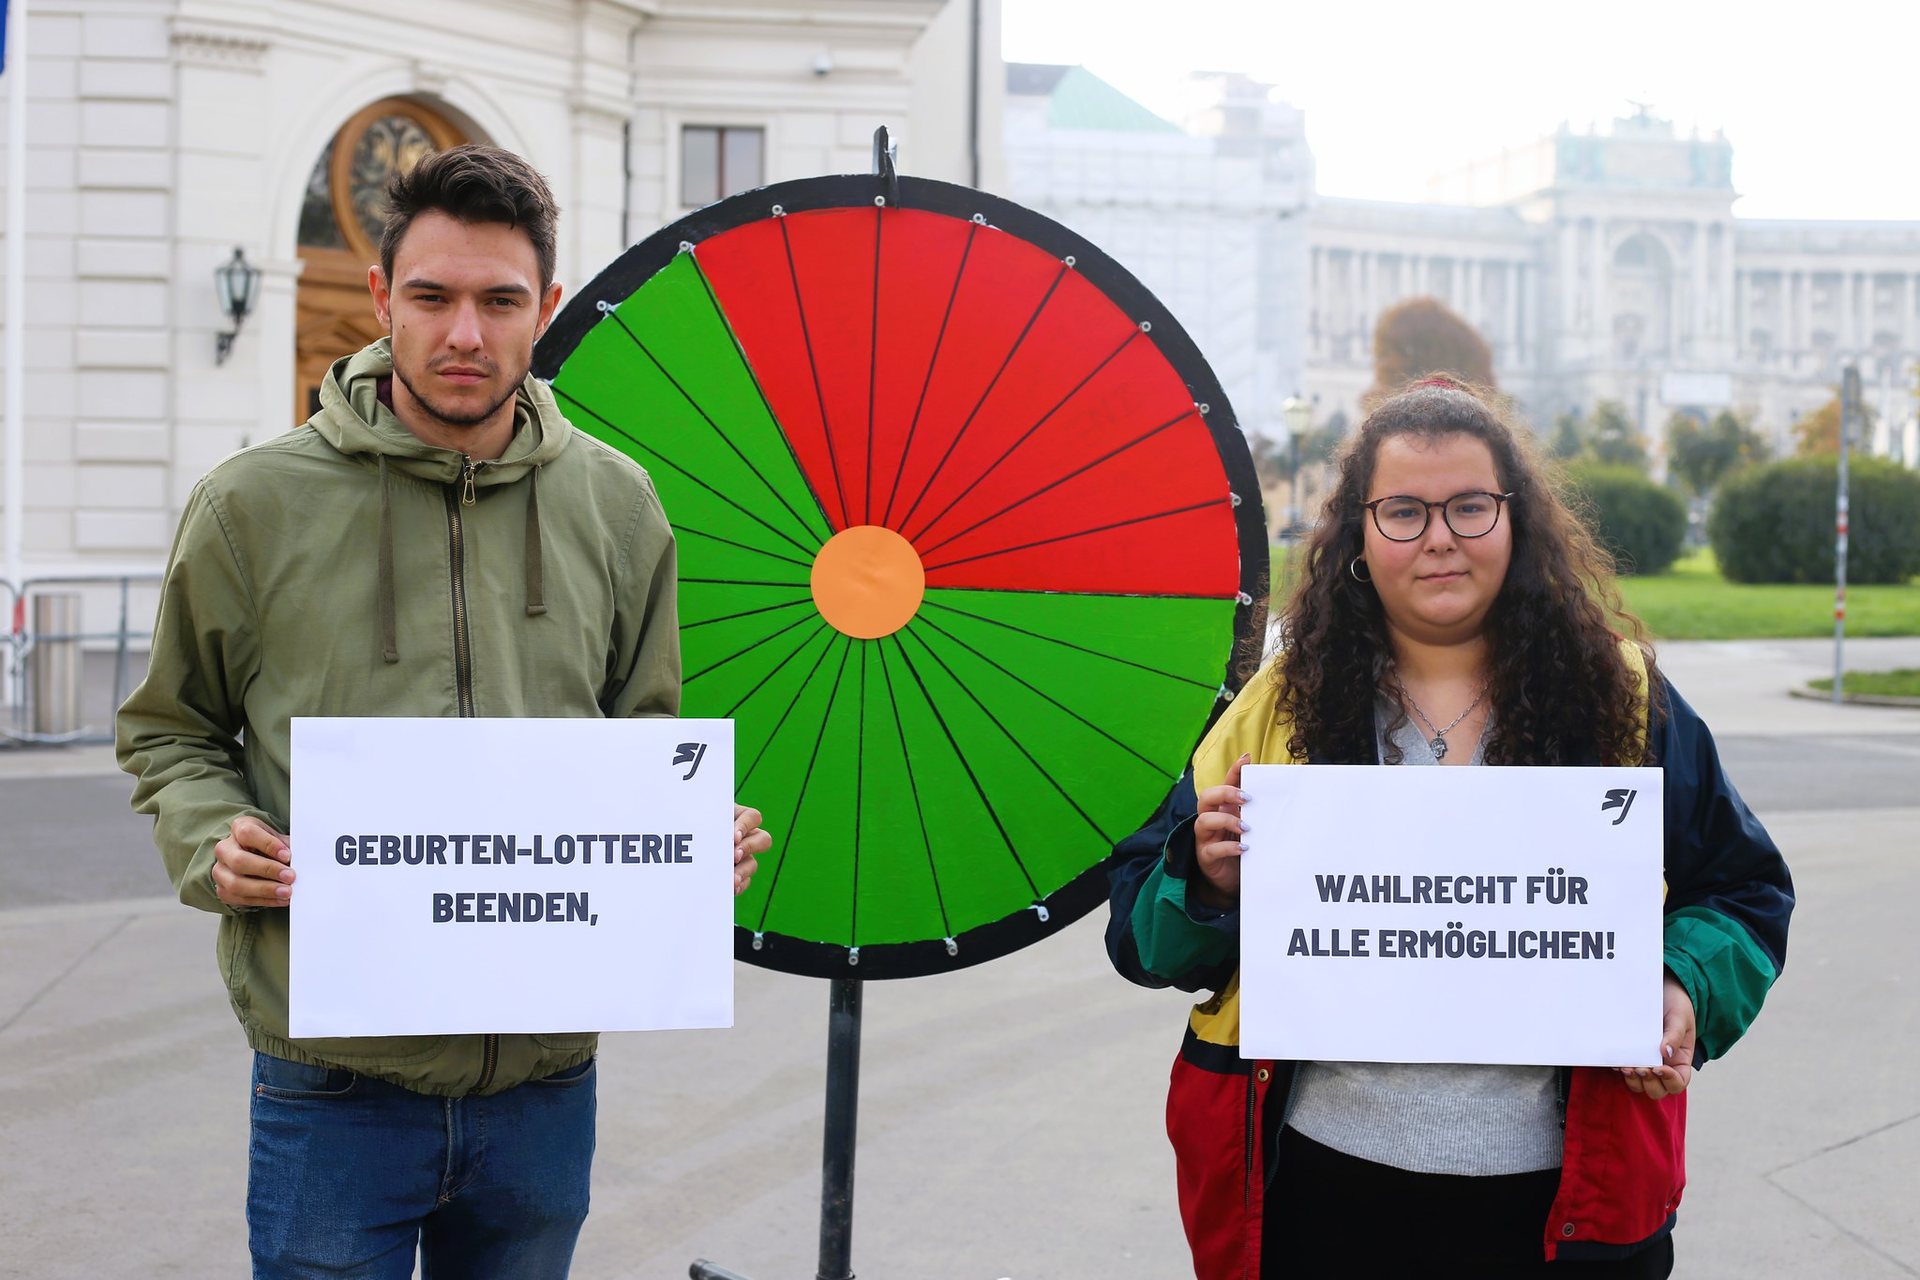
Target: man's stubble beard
{"points": [[457, 420]]}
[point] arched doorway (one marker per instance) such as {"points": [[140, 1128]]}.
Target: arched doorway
{"points": [[1642, 300], [340, 222]]}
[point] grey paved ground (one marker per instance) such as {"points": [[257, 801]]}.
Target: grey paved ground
{"points": [[1011, 1115]]}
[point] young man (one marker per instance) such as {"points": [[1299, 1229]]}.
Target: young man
{"points": [[438, 541]]}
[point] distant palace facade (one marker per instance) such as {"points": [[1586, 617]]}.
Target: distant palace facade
{"points": [[1604, 265]]}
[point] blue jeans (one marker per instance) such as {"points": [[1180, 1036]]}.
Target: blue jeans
{"points": [[348, 1176]]}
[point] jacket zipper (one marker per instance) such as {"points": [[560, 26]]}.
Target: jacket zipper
{"points": [[463, 672], [462, 649]]}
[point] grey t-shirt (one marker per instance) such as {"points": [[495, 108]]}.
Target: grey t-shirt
{"points": [[1430, 1117]]}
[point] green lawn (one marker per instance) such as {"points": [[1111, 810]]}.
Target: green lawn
{"points": [[1692, 602], [1904, 683]]}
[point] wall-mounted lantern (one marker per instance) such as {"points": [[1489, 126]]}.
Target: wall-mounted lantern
{"points": [[236, 283]]}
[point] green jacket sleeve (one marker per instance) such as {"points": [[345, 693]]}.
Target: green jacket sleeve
{"points": [[1155, 937], [1729, 894], [179, 735], [644, 678]]}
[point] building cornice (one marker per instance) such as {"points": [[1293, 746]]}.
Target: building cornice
{"points": [[209, 45], [870, 15]]}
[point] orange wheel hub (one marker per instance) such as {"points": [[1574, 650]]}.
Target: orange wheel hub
{"points": [[868, 581]]}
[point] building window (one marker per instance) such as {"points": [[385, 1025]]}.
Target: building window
{"points": [[719, 161]]}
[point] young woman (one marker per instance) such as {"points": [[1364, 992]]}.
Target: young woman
{"points": [[1451, 612]]}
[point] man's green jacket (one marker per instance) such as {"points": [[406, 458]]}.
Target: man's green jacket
{"points": [[348, 569]]}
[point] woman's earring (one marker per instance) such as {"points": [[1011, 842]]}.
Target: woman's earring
{"points": [[1353, 571]]}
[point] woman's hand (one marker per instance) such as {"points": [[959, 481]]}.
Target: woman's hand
{"points": [[1217, 843], [1676, 1046]]}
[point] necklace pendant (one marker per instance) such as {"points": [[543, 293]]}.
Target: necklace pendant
{"points": [[1439, 746]]}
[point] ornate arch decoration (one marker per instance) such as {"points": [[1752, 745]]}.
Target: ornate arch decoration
{"points": [[475, 114], [1669, 258], [379, 140], [339, 229]]}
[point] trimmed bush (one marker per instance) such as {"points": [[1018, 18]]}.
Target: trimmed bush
{"points": [[1640, 522], [1775, 523]]}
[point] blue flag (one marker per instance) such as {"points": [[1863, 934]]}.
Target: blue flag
{"points": [[3, 35]]}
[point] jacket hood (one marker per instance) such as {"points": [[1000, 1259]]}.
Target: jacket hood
{"points": [[353, 420]]}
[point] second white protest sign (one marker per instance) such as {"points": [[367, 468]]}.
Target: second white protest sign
{"points": [[1486, 914]]}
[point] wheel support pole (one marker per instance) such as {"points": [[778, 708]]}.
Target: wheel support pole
{"points": [[843, 1021], [843, 1106], [836, 1146]]}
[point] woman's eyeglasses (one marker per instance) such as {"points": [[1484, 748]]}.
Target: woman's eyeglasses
{"points": [[1402, 518]]}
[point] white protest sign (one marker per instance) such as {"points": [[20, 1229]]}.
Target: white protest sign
{"points": [[494, 875], [1482, 914]]}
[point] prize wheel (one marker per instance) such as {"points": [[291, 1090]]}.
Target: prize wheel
{"points": [[968, 541]]}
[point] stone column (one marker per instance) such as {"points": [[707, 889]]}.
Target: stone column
{"points": [[1697, 312], [1511, 320], [1602, 323], [1907, 341], [1370, 266], [1787, 343], [1568, 271], [1804, 310], [1533, 310], [1363, 296], [1316, 304], [1350, 294], [1729, 273], [1742, 286], [1849, 302]]}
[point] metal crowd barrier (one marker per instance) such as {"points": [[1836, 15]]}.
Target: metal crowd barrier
{"points": [[44, 642]]}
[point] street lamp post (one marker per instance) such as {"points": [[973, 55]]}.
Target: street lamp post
{"points": [[1849, 411]]}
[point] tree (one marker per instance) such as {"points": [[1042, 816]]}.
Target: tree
{"points": [[1569, 436], [1273, 462], [1422, 336], [1702, 456], [1818, 434], [1612, 438]]}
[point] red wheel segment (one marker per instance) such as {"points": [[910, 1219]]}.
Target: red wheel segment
{"points": [[1052, 448]]}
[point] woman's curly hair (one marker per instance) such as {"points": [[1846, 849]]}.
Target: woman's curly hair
{"points": [[1561, 691]]}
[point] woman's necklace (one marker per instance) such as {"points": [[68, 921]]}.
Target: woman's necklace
{"points": [[1438, 743]]}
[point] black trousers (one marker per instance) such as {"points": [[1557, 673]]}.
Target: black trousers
{"points": [[1331, 1214]]}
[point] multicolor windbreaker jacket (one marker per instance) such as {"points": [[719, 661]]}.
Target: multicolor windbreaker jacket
{"points": [[1728, 899]]}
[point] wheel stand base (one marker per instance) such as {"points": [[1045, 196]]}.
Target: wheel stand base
{"points": [[704, 1270], [836, 1162]]}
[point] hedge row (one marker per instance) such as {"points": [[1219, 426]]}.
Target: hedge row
{"points": [[1775, 523]]}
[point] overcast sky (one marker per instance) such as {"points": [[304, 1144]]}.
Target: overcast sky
{"points": [[1821, 101]]}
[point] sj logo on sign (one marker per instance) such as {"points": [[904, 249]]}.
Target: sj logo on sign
{"points": [[1618, 798], [690, 752]]}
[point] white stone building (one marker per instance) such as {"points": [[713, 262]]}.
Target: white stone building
{"points": [[1611, 265], [163, 134], [1607, 265], [1210, 217]]}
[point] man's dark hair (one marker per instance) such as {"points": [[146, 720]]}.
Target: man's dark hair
{"points": [[472, 183]]}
